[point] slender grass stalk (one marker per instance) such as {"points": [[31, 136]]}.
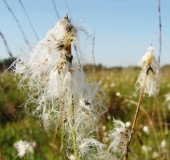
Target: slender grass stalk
{"points": [[73, 130], [55, 8], [54, 139], [28, 19], [136, 114], [0, 152], [17, 21], [69, 56], [6, 45], [68, 8], [75, 48], [160, 32], [55, 135], [166, 131], [148, 117], [15, 157], [62, 137], [93, 42]]}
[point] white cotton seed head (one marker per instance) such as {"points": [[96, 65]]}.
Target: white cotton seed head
{"points": [[119, 137], [128, 124], [155, 155], [71, 157], [150, 68], [146, 149], [149, 60], [57, 88], [85, 119], [24, 147], [48, 121], [89, 108], [108, 117], [48, 72], [118, 94], [89, 148], [146, 129], [163, 144], [152, 84], [61, 36], [103, 127], [167, 99]]}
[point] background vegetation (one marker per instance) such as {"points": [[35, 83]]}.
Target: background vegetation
{"points": [[118, 83]]}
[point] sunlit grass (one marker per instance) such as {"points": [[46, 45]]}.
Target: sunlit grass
{"points": [[122, 100]]}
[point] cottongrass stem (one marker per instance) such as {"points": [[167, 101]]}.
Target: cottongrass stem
{"points": [[148, 82], [73, 130]]}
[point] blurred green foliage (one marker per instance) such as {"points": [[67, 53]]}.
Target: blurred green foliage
{"points": [[118, 83]]}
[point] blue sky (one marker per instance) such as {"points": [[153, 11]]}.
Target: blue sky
{"points": [[124, 29]]}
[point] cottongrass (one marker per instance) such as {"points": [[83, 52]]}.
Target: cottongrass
{"points": [[146, 129], [128, 124], [119, 136], [48, 72], [146, 149], [155, 155], [88, 148], [57, 89], [167, 99], [151, 69], [147, 82], [24, 147]]}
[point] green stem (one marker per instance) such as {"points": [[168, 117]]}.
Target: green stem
{"points": [[55, 136], [62, 137], [73, 130], [15, 157]]}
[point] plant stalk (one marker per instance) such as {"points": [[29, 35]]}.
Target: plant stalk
{"points": [[62, 137], [73, 130], [136, 116], [55, 136]]}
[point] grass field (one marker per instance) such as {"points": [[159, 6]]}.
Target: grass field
{"points": [[151, 139]]}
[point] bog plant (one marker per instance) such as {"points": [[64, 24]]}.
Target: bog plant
{"points": [[24, 147], [60, 96]]}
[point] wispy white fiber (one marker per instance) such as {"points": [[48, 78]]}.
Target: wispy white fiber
{"points": [[24, 147], [119, 136], [150, 68], [57, 89]]}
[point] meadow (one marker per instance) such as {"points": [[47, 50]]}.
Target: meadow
{"points": [[151, 139]]}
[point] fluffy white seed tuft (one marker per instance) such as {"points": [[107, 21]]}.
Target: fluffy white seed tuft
{"points": [[150, 69], [119, 136], [24, 147], [90, 148]]}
